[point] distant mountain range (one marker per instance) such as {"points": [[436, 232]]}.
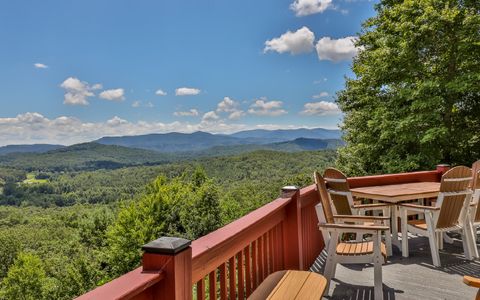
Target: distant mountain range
{"points": [[189, 143], [197, 141]]}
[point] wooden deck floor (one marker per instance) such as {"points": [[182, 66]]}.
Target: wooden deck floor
{"points": [[408, 278]]}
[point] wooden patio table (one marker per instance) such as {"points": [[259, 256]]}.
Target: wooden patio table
{"points": [[397, 193]]}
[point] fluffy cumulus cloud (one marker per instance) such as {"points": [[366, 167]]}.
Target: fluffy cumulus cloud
{"points": [[113, 95], [40, 66], [320, 95], [136, 104], [32, 127], [336, 49], [190, 113], [262, 107], [300, 41], [321, 108], [230, 106], [309, 7], [160, 92], [186, 91], [210, 116], [77, 92]]}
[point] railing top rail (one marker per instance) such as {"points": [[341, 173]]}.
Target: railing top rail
{"points": [[126, 286], [385, 179]]}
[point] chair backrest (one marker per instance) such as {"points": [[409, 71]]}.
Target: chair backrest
{"points": [[475, 185], [323, 194], [339, 191], [454, 196]]}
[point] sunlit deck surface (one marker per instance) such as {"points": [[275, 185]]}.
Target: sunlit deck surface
{"points": [[408, 278]]}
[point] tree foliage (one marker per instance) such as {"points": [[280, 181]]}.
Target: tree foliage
{"points": [[415, 100]]}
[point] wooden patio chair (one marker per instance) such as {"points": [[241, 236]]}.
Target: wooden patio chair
{"points": [[474, 214], [333, 227], [448, 214], [473, 282], [344, 204]]}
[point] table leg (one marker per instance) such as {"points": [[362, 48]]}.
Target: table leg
{"points": [[394, 225]]}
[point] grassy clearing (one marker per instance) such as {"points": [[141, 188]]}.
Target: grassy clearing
{"points": [[31, 179]]}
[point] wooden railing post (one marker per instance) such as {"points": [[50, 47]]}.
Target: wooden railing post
{"points": [[174, 257], [292, 230], [442, 168]]}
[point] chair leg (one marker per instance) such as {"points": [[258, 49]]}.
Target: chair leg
{"points": [[377, 268], [447, 239], [403, 218], [331, 263], [467, 244], [432, 240], [440, 240]]}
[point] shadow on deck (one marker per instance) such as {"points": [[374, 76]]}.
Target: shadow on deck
{"points": [[407, 278]]}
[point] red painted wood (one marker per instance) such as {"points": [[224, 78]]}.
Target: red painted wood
{"points": [[201, 290], [212, 284], [271, 268], [260, 260], [134, 284], [223, 281], [248, 272], [422, 176], [265, 255], [240, 268], [209, 251], [232, 278], [254, 266], [292, 235]]}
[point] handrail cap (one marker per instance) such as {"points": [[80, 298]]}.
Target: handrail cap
{"points": [[167, 245]]}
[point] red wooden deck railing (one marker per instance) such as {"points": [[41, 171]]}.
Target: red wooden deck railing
{"points": [[233, 260]]}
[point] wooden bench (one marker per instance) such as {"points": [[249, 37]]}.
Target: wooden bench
{"points": [[289, 285]]}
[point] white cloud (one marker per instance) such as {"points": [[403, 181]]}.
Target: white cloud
{"points": [[97, 86], [190, 113], [336, 50], [40, 66], [136, 104], [309, 7], [210, 117], [77, 91], [160, 92], [32, 127], [322, 108], [300, 41], [113, 95], [236, 115], [186, 91], [230, 106], [262, 107], [320, 95], [149, 104]]}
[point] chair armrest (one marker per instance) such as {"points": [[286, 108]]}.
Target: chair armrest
{"points": [[416, 207], [471, 281], [360, 218], [353, 228], [372, 206]]}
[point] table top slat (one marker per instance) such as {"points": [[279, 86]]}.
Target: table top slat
{"points": [[395, 193]]}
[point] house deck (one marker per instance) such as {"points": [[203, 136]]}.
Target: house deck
{"points": [[408, 278]]}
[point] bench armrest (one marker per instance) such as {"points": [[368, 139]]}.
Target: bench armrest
{"points": [[353, 228], [471, 281], [419, 208]]}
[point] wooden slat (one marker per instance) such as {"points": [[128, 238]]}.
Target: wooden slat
{"points": [[270, 251], [212, 282], [240, 268], [398, 192], [265, 256], [248, 272], [223, 281], [260, 259], [232, 278], [289, 286], [254, 265], [313, 288], [201, 290]]}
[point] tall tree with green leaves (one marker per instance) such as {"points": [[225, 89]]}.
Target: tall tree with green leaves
{"points": [[415, 99]]}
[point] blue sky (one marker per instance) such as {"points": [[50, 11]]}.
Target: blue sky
{"points": [[73, 71]]}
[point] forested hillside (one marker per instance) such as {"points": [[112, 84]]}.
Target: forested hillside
{"points": [[63, 233]]}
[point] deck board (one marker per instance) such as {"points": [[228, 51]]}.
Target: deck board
{"points": [[408, 278]]}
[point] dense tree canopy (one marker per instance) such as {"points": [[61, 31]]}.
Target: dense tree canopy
{"points": [[415, 99]]}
